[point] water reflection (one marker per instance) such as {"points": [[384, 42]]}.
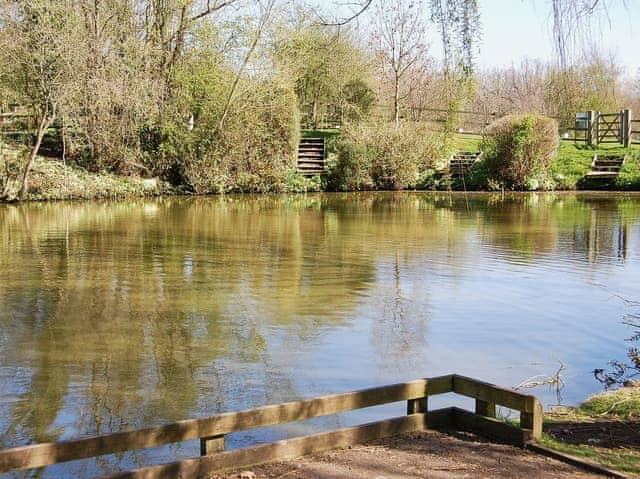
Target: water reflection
{"points": [[121, 315]]}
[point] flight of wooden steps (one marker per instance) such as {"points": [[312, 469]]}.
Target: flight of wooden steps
{"points": [[605, 167], [312, 157], [462, 162]]}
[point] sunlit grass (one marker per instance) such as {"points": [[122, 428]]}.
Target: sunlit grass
{"points": [[616, 406], [620, 460]]}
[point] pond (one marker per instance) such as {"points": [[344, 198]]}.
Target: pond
{"points": [[119, 315]]}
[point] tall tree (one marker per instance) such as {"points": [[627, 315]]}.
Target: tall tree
{"points": [[43, 51], [327, 69], [458, 22], [400, 34]]}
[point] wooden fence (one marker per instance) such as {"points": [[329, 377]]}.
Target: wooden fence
{"points": [[634, 132], [211, 430], [595, 128]]}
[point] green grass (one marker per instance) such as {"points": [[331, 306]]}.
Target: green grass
{"points": [[618, 405], [467, 142], [51, 180], [320, 133], [573, 162], [623, 403], [620, 460]]}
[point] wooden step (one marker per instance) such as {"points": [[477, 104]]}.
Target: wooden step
{"points": [[617, 161], [602, 174], [605, 167], [311, 157], [311, 152], [462, 162], [313, 166]]}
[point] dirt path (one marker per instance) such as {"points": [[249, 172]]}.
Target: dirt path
{"points": [[420, 455]]}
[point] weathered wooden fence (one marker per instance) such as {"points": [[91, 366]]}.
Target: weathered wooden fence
{"points": [[595, 128], [8, 120], [634, 131], [211, 430]]}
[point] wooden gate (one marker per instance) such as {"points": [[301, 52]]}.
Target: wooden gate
{"points": [[595, 128], [609, 128]]}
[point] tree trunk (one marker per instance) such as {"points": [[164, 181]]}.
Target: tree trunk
{"points": [[45, 122], [396, 100], [266, 15], [314, 114]]}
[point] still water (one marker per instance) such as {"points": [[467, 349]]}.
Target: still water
{"points": [[118, 315]]}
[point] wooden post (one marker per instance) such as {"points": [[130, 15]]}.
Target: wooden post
{"points": [[626, 130], [484, 408], [211, 445], [533, 420], [590, 127], [417, 406]]}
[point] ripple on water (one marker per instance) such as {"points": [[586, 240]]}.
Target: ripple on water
{"points": [[116, 315]]}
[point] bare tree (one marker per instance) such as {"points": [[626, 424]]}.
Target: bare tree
{"points": [[168, 23], [400, 31], [42, 53], [359, 8]]}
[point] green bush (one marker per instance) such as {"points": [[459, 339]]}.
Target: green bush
{"points": [[12, 161], [629, 178], [253, 151], [382, 156], [519, 149]]}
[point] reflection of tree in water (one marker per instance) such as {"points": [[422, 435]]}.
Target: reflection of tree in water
{"points": [[115, 327], [596, 228], [116, 316], [401, 331]]}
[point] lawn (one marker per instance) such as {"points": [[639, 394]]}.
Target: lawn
{"points": [[573, 162]]}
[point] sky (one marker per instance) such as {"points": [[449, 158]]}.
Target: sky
{"points": [[513, 30], [517, 29]]}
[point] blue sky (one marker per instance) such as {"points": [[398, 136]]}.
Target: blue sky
{"points": [[518, 29], [515, 29]]}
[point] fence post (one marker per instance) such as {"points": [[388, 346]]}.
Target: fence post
{"points": [[532, 420], [626, 128], [211, 445], [417, 406], [484, 408], [590, 127]]}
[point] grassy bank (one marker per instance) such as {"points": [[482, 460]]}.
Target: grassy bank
{"points": [[569, 168], [605, 429], [573, 162], [52, 180]]}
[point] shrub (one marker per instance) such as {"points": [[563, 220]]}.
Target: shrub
{"points": [[254, 151], [12, 161], [519, 149], [382, 156]]}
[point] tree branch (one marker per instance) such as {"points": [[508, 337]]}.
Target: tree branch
{"points": [[211, 9]]}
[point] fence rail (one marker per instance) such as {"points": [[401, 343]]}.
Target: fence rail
{"points": [[211, 430], [635, 132]]}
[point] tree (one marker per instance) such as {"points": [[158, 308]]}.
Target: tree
{"points": [[399, 32], [458, 22], [572, 23], [326, 68], [42, 51]]}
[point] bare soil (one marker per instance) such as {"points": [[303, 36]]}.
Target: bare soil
{"points": [[427, 454], [607, 431]]}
